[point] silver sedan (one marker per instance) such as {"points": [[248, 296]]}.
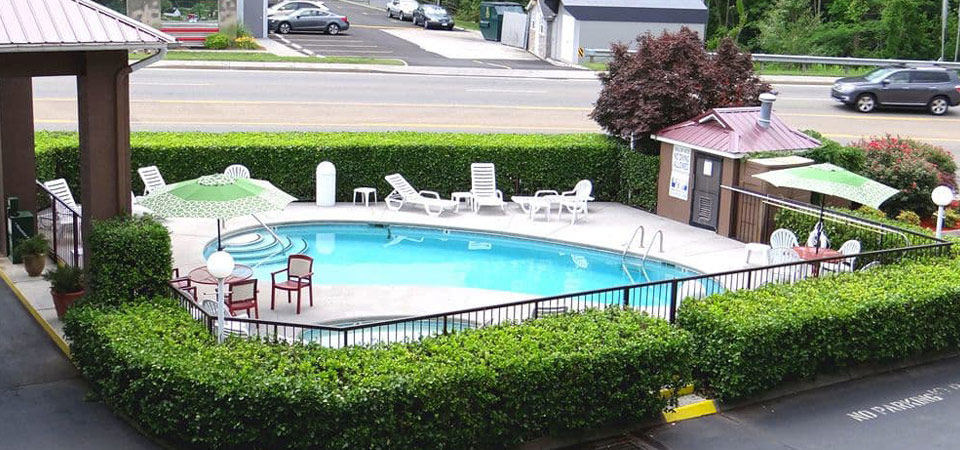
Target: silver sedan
{"points": [[309, 20]]}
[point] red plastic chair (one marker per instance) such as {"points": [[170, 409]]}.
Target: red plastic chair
{"points": [[299, 275], [242, 296], [184, 284]]}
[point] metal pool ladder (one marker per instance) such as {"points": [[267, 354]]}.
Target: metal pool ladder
{"points": [[658, 233]]}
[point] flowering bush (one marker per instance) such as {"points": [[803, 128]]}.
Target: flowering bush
{"points": [[246, 42], [915, 168]]}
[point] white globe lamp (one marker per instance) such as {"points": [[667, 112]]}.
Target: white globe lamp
{"points": [[942, 196], [220, 265]]}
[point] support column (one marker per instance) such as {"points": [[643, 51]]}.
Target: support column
{"points": [[146, 11], [17, 154], [103, 94]]}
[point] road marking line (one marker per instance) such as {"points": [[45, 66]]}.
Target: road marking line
{"points": [[854, 136], [379, 52], [345, 125], [383, 27], [507, 91], [340, 46], [169, 84], [864, 117], [319, 103]]}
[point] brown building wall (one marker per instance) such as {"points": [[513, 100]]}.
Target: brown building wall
{"points": [[729, 177], [667, 206]]}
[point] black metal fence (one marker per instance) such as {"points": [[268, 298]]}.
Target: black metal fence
{"points": [[658, 298], [60, 224]]}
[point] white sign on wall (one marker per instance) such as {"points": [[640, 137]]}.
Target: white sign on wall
{"points": [[680, 173]]}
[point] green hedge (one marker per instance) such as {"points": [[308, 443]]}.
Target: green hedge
{"points": [[638, 182], [802, 224], [433, 161], [493, 387], [132, 253], [749, 341]]}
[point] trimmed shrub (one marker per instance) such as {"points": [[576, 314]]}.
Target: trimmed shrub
{"points": [[951, 218], [216, 41], [434, 161], [246, 43], [830, 151], [909, 217], [638, 179], [802, 224], [750, 341], [492, 387], [132, 254]]}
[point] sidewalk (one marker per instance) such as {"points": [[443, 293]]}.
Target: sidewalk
{"points": [[42, 396]]}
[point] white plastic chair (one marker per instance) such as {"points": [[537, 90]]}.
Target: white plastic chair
{"points": [[237, 171], [784, 255], [870, 266], [575, 201], [783, 238], [851, 247], [230, 328], [404, 193], [61, 191], [152, 180], [483, 186]]}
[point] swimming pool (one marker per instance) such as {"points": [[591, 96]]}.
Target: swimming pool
{"points": [[378, 254]]}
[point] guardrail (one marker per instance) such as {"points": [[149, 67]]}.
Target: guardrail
{"points": [[593, 54], [60, 224]]}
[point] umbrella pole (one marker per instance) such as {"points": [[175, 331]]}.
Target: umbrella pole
{"points": [[220, 246], [818, 228]]}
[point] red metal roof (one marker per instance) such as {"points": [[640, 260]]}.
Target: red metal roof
{"points": [[70, 25], [735, 131]]}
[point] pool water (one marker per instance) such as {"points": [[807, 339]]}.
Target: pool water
{"points": [[373, 254]]}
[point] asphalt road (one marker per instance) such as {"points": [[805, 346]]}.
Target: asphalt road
{"points": [[370, 36], [915, 408], [225, 100]]}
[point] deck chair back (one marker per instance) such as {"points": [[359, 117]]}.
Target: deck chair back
{"points": [[299, 265], [483, 180], [583, 190], [237, 171], [61, 190], [783, 238], [401, 185], [243, 291], [152, 180]]}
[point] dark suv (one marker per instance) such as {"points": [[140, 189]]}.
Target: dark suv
{"points": [[934, 88]]}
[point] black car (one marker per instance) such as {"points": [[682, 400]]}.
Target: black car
{"points": [[933, 88], [432, 15]]}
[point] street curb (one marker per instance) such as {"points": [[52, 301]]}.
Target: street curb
{"points": [[691, 411], [36, 315]]}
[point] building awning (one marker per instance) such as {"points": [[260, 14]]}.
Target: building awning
{"points": [[72, 25], [645, 11]]}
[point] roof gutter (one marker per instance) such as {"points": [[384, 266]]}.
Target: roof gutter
{"points": [[161, 52]]}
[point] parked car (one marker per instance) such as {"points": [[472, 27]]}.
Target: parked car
{"points": [[308, 20], [293, 5], [402, 9], [432, 15], [933, 88]]}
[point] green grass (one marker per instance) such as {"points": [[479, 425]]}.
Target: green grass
{"points": [[813, 70], [468, 25], [200, 55]]}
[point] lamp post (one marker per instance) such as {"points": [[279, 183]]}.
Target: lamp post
{"points": [[220, 265], [941, 196]]}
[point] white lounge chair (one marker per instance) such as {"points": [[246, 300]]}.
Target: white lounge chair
{"points": [[138, 210], [152, 180], [61, 191], [783, 238], [575, 201], [483, 186], [237, 171], [851, 247], [404, 193]]}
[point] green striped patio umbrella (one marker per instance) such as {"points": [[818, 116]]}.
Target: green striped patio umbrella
{"points": [[829, 179], [218, 197]]}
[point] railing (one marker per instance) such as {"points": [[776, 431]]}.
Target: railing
{"points": [[657, 298], [60, 224], [593, 54]]}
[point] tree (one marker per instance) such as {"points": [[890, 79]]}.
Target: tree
{"points": [[788, 28], [670, 79]]}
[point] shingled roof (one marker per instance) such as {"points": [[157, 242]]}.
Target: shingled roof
{"points": [[735, 132], [72, 25]]}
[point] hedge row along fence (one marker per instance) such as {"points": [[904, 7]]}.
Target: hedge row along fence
{"points": [[750, 341], [433, 161], [492, 387]]}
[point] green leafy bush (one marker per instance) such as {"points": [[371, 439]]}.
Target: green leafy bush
{"points": [[913, 167], [65, 279], [951, 218], [830, 151], [749, 341], [871, 213], [216, 41], [493, 387], [909, 217], [33, 245], [802, 224], [434, 161], [132, 253], [246, 42], [638, 179]]}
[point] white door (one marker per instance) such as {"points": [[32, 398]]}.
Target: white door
{"points": [[568, 33]]}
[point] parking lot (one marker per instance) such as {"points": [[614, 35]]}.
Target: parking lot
{"points": [[373, 35]]}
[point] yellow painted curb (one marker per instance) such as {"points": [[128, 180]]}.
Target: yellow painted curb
{"points": [[691, 411], [686, 390], [36, 315]]}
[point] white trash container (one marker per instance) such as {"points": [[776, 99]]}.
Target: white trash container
{"points": [[326, 184]]}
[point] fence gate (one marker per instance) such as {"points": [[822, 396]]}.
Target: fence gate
{"points": [[514, 29]]}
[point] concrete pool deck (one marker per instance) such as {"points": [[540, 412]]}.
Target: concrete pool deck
{"points": [[608, 227]]}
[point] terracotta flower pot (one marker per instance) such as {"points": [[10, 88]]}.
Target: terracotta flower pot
{"points": [[62, 302], [34, 264]]}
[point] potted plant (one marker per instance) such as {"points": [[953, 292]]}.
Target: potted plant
{"points": [[33, 251], [66, 286]]}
